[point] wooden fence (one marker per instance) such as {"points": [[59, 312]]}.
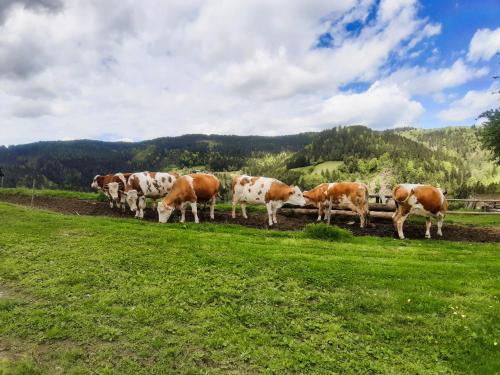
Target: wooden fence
{"points": [[385, 210]]}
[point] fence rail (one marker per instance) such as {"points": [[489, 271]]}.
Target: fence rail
{"points": [[475, 200]]}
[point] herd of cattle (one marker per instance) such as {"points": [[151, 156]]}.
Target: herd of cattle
{"points": [[177, 191]]}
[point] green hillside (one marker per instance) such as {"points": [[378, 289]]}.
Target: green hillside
{"points": [[450, 157]]}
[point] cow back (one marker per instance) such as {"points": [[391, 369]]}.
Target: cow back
{"points": [[205, 185]]}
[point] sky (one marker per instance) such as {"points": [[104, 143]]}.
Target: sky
{"points": [[123, 70]]}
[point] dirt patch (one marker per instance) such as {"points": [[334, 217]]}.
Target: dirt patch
{"points": [[286, 220]]}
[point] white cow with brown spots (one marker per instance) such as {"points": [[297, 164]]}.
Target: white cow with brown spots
{"points": [[421, 200], [264, 190], [142, 185], [190, 189]]}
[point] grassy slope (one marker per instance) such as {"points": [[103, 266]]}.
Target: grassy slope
{"points": [[52, 193], [316, 169], [82, 294]]}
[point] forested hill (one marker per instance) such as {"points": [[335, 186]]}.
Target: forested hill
{"points": [[72, 164], [451, 157]]}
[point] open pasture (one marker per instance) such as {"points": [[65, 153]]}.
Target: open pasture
{"points": [[84, 294]]}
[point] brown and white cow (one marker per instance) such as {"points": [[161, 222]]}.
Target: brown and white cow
{"points": [[264, 190], [317, 197], [422, 200], [142, 185], [190, 189], [108, 184], [116, 189], [353, 195]]}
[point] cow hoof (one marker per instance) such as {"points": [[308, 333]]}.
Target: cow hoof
{"points": [[427, 236]]}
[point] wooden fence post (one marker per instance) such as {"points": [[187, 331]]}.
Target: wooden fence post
{"points": [[33, 193]]}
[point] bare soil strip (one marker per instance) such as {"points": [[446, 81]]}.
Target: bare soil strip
{"points": [[287, 219]]}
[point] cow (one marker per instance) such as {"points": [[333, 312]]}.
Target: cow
{"points": [[317, 197], [103, 183], [264, 190], [190, 189], [353, 195], [422, 200], [142, 185], [116, 189]]}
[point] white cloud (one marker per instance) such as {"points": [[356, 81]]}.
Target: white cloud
{"points": [[421, 81], [471, 105], [484, 44], [381, 106], [116, 70]]}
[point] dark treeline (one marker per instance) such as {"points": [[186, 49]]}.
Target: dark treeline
{"points": [[72, 164]]}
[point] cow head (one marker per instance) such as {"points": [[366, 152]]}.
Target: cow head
{"points": [[113, 188], [97, 182], [308, 197], [131, 197], [296, 197], [164, 212]]}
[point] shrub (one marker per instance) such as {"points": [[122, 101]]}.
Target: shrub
{"points": [[326, 232]]}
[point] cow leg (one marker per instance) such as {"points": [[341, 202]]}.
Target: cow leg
{"points": [[275, 210], [440, 219], [233, 212], [428, 224], [362, 218], [329, 211], [194, 210], [395, 218], [244, 210], [212, 208], [142, 206], [123, 200], [269, 207], [183, 212], [320, 211], [400, 222]]}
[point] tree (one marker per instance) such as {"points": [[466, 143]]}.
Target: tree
{"points": [[490, 132]]}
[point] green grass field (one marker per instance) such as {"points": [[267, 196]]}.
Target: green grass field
{"points": [[316, 169], [83, 295], [53, 193]]}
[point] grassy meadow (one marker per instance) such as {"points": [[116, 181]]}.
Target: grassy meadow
{"points": [[53, 193], [83, 295]]}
